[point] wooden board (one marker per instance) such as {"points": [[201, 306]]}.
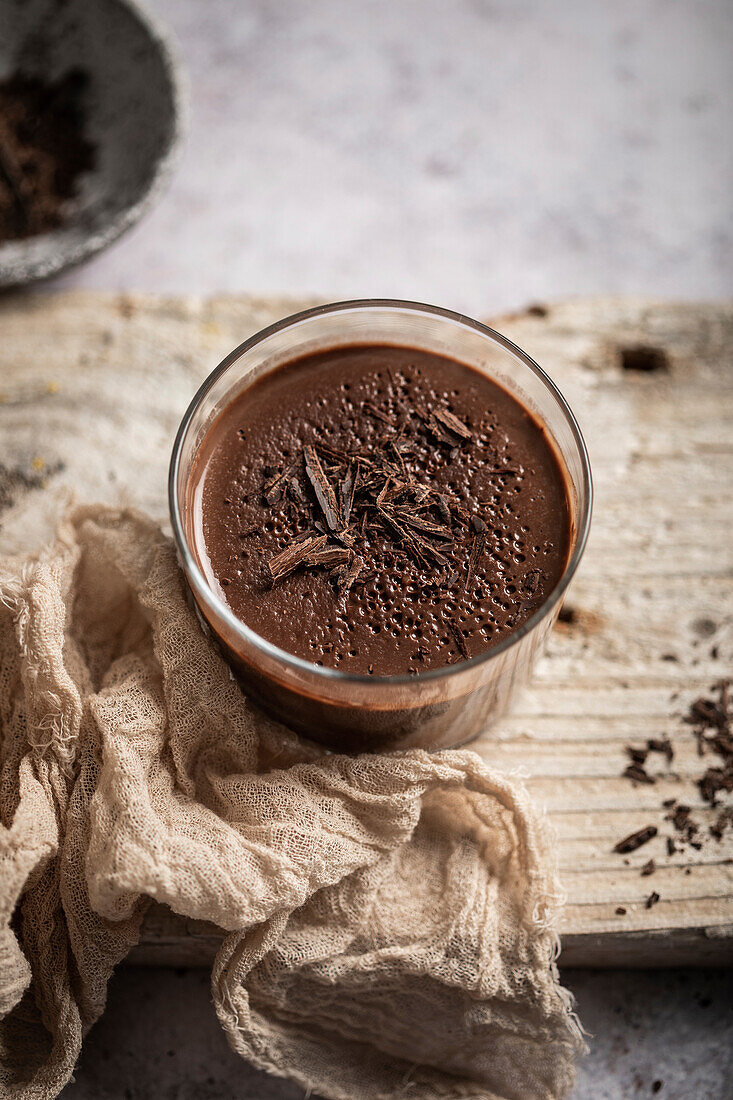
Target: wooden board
{"points": [[652, 606]]}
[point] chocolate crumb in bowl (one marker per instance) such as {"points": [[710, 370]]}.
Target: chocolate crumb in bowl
{"points": [[91, 114], [43, 151], [365, 522]]}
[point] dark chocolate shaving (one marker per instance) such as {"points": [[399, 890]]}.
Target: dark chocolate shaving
{"points": [[288, 560], [420, 523], [322, 488], [379, 414], [328, 556], [384, 492], [345, 537], [443, 509], [477, 549], [296, 489], [351, 576], [452, 423], [531, 581], [410, 540], [347, 488], [276, 483], [459, 639]]}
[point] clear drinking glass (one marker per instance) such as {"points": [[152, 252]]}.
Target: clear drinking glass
{"points": [[346, 711]]}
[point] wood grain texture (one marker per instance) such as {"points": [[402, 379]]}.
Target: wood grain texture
{"points": [[652, 623]]}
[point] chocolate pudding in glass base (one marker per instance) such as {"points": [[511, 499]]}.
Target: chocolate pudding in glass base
{"points": [[377, 518]]}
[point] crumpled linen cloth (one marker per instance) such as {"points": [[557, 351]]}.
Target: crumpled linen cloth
{"points": [[390, 920]]}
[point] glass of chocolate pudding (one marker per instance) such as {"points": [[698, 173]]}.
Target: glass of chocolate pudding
{"points": [[378, 506]]}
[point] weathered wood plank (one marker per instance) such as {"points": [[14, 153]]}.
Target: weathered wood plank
{"points": [[653, 602], [172, 941]]}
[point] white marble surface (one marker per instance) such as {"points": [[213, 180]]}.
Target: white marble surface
{"points": [[478, 154], [473, 153]]}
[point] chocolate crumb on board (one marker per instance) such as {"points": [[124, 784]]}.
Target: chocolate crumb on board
{"points": [[636, 771], [711, 720], [652, 899], [620, 911], [638, 756], [723, 820], [636, 840], [649, 868], [662, 745], [713, 782], [637, 774]]}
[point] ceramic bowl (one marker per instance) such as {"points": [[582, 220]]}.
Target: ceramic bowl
{"points": [[132, 104]]}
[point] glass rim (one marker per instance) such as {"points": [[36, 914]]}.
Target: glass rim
{"points": [[334, 675]]}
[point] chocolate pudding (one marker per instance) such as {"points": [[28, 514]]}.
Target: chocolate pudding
{"points": [[380, 510]]}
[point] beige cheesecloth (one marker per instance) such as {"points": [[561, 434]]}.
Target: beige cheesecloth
{"points": [[390, 920]]}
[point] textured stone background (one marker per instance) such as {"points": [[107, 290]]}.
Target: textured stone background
{"points": [[160, 1038], [478, 155]]}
